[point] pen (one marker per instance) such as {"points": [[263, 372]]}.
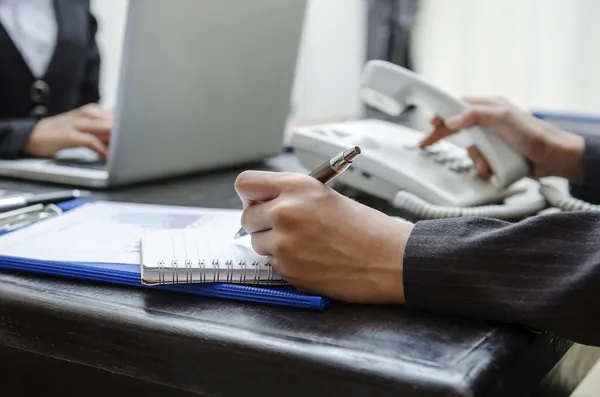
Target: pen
{"points": [[327, 171], [10, 215], [15, 202]]}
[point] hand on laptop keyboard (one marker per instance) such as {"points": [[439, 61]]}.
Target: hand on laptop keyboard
{"points": [[88, 126]]}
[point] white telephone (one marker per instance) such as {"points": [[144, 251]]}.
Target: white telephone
{"points": [[436, 182]]}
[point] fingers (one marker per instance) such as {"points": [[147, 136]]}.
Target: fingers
{"points": [[484, 111], [100, 128], [93, 111], [436, 121], [79, 139], [486, 100], [477, 115], [258, 217], [253, 186], [483, 168], [469, 118], [441, 131], [264, 243]]}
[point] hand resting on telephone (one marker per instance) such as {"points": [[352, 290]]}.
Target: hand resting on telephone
{"points": [[549, 150]]}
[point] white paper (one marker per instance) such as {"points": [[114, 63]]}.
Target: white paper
{"points": [[195, 248], [107, 232]]}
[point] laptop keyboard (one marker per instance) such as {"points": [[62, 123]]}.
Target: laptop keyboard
{"points": [[80, 163]]}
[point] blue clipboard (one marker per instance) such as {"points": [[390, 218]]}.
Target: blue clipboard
{"points": [[127, 274]]}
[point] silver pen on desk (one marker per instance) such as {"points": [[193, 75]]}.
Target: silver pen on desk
{"points": [[327, 171], [27, 215], [10, 215], [10, 203]]}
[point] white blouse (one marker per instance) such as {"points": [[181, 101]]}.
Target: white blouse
{"points": [[32, 26]]}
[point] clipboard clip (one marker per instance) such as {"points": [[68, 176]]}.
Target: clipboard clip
{"points": [[26, 216]]}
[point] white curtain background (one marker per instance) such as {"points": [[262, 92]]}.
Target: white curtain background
{"points": [[541, 54]]}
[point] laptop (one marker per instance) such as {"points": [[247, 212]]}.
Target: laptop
{"points": [[203, 85]]}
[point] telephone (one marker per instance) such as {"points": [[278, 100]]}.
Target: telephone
{"points": [[435, 182]]}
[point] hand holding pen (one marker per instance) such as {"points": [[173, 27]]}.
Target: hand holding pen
{"points": [[321, 241], [327, 171]]}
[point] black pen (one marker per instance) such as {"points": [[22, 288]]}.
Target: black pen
{"points": [[15, 202], [327, 171]]}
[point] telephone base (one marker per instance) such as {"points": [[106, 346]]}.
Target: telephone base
{"points": [[441, 177]]}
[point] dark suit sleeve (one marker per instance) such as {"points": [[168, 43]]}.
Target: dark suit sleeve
{"points": [[589, 188], [543, 272], [13, 135], [90, 87]]}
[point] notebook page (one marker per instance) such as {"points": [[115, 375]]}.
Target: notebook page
{"points": [[197, 255]]}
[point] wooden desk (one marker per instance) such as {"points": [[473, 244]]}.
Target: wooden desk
{"points": [[74, 338]]}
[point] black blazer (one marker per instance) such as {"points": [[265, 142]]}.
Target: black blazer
{"points": [[72, 78], [543, 272]]}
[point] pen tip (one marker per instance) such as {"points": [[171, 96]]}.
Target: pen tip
{"points": [[351, 154], [240, 233]]}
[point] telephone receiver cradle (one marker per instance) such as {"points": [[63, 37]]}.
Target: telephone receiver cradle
{"points": [[435, 182]]}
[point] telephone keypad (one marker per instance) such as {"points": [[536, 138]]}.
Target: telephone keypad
{"points": [[435, 149], [444, 155], [411, 146], [459, 168]]}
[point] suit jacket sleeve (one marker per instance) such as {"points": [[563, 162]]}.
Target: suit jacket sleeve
{"points": [[543, 272], [13, 135], [90, 87], [589, 188]]}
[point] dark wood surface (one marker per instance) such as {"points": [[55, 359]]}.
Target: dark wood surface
{"points": [[83, 338]]}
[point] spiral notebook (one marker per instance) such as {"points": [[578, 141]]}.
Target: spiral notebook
{"points": [[101, 241], [207, 255]]}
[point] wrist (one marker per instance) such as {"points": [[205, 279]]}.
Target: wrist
{"points": [[393, 280], [567, 161], [30, 144]]}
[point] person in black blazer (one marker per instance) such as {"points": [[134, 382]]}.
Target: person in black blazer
{"points": [[542, 272], [49, 79]]}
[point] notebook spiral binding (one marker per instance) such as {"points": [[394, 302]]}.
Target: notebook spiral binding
{"points": [[248, 274]]}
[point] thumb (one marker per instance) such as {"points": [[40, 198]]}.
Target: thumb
{"points": [[256, 186], [89, 141]]}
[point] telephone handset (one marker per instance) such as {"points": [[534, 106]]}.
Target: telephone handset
{"points": [[435, 182], [389, 88]]}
